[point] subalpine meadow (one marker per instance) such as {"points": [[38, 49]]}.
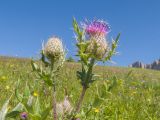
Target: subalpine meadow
{"points": [[135, 94], [49, 88]]}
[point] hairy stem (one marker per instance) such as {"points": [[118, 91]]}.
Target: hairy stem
{"points": [[54, 94], [80, 99], [85, 85], [54, 103]]}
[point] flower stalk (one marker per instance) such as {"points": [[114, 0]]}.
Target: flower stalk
{"points": [[92, 47], [54, 52], [54, 103]]}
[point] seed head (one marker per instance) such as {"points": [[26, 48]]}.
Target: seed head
{"points": [[53, 49]]}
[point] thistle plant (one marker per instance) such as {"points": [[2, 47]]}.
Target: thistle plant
{"points": [[52, 56], [92, 47]]}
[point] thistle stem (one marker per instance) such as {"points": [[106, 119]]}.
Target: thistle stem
{"points": [[54, 103], [54, 94], [81, 99], [85, 86]]}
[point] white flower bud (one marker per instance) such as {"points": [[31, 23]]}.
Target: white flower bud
{"points": [[53, 49]]}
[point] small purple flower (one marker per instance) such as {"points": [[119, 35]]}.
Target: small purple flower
{"points": [[23, 116], [96, 27]]}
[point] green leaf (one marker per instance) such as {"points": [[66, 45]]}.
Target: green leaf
{"points": [[78, 31], [113, 83], [27, 91], [97, 101], [43, 58], [45, 113], [37, 109], [47, 80], [19, 107], [4, 110], [34, 116], [34, 66], [112, 51], [18, 95], [13, 114], [75, 26], [26, 95]]}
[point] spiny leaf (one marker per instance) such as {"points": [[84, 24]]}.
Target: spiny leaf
{"points": [[112, 51], [78, 31]]}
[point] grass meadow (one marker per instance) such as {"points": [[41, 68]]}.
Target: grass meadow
{"points": [[118, 94]]}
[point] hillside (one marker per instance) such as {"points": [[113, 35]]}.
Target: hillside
{"points": [[131, 93]]}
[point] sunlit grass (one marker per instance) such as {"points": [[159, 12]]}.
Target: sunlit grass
{"points": [[134, 96]]}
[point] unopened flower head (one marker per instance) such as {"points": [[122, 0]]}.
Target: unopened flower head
{"points": [[23, 116], [53, 49], [96, 32]]}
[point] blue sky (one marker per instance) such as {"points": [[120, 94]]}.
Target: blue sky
{"points": [[24, 24]]}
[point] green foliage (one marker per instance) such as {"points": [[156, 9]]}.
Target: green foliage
{"points": [[114, 94], [120, 93], [30, 104], [113, 48]]}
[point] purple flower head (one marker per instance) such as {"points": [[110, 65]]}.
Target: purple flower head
{"points": [[97, 27], [23, 115]]}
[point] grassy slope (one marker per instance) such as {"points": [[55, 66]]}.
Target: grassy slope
{"points": [[136, 93]]}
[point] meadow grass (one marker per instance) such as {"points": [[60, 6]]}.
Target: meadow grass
{"points": [[122, 93]]}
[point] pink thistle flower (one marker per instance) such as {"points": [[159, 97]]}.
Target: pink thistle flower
{"points": [[96, 32], [97, 27]]}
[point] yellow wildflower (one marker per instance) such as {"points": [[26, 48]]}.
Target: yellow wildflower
{"points": [[96, 110], [35, 94], [7, 87], [3, 77]]}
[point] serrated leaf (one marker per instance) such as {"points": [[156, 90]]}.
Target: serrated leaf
{"points": [[78, 31], [112, 51]]}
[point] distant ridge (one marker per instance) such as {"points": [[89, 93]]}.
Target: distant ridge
{"points": [[155, 65]]}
